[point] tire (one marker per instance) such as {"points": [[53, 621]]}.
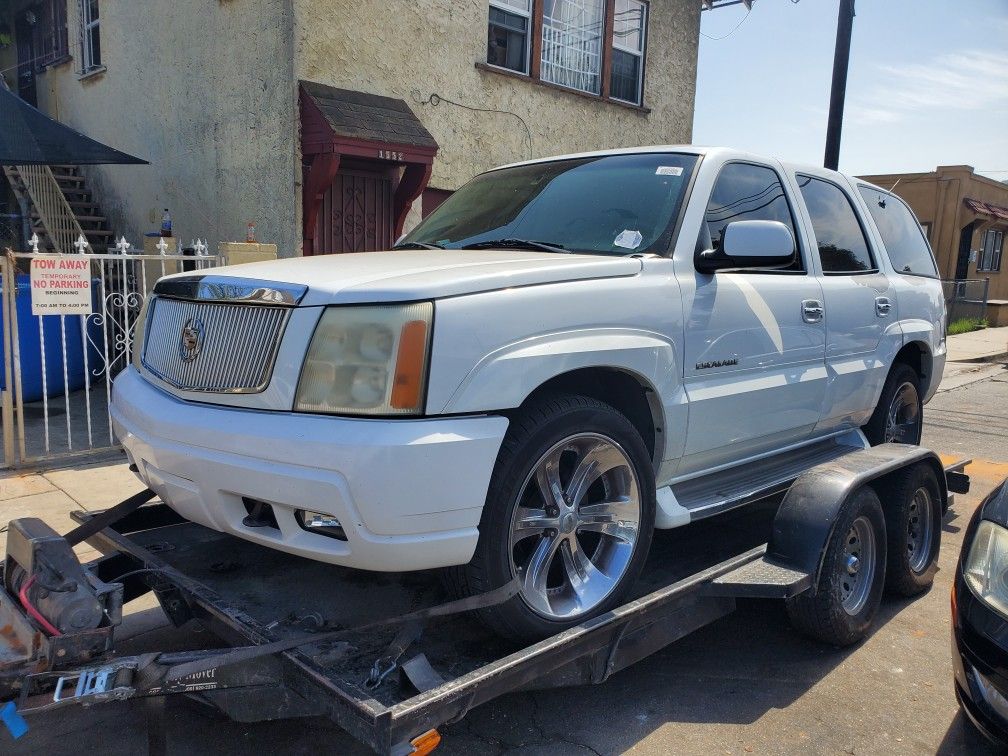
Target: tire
{"points": [[901, 395], [548, 441], [841, 607], [913, 524]]}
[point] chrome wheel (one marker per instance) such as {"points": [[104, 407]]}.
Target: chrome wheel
{"points": [[575, 526], [903, 420], [920, 524], [857, 566]]}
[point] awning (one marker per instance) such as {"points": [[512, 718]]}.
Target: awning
{"points": [[996, 212], [341, 122], [30, 137]]}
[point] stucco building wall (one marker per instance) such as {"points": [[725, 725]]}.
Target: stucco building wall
{"points": [[202, 90], [416, 49]]}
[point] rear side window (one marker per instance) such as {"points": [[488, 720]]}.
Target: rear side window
{"points": [[744, 191], [841, 241], [904, 240]]}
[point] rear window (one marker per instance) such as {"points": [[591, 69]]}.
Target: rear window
{"points": [[904, 240]]}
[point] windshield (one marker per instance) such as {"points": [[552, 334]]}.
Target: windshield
{"points": [[612, 205]]}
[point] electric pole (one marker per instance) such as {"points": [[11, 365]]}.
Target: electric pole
{"points": [[841, 57]]}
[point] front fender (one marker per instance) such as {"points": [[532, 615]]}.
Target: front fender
{"points": [[504, 378]]}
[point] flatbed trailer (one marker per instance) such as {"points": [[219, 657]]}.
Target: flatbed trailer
{"points": [[382, 654]]}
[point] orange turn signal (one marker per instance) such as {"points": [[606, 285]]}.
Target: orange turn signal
{"points": [[407, 385], [424, 744]]}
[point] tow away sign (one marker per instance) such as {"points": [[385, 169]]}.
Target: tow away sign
{"points": [[61, 285]]}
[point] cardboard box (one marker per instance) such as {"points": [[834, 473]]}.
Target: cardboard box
{"points": [[236, 253]]}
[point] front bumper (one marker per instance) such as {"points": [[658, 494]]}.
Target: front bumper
{"points": [[980, 662], [409, 493]]}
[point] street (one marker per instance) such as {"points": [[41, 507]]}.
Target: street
{"points": [[746, 684]]}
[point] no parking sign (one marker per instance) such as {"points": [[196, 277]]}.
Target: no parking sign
{"points": [[61, 285]]}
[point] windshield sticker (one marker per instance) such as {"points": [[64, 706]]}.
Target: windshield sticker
{"points": [[628, 239], [668, 170]]}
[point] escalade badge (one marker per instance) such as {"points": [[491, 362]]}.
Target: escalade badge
{"points": [[192, 339]]}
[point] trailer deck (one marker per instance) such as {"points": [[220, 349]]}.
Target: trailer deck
{"points": [[251, 596]]}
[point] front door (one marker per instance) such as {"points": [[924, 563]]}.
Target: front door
{"points": [[357, 211], [755, 344]]}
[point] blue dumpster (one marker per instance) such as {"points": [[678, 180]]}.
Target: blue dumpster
{"points": [[31, 347]]}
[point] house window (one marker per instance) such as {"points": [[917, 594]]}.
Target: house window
{"points": [[592, 46], [47, 21], [90, 36], [508, 34], [989, 260], [629, 24]]}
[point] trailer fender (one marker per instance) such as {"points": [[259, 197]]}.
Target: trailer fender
{"points": [[805, 520]]}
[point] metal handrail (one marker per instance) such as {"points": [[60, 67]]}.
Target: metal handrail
{"points": [[54, 211]]}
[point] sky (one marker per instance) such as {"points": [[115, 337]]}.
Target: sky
{"points": [[927, 85]]}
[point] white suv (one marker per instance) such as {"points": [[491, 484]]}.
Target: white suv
{"points": [[565, 355]]}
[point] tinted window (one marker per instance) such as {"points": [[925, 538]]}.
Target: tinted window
{"points": [[904, 241], [746, 192], [615, 204], [841, 242]]}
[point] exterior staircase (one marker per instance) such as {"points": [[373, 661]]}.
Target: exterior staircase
{"points": [[77, 201]]}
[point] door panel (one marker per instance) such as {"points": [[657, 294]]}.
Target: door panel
{"points": [[754, 369], [356, 214], [856, 322]]}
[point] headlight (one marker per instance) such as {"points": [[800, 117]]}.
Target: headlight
{"points": [[986, 567], [367, 361]]}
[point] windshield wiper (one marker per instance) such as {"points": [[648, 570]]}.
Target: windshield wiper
{"points": [[417, 245], [518, 244]]}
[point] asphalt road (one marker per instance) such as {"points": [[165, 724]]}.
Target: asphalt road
{"points": [[746, 684]]}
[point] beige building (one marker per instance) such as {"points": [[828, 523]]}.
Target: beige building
{"points": [[966, 219], [332, 124]]}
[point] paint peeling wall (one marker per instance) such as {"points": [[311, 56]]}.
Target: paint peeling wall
{"points": [[203, 89], [414, 49]]}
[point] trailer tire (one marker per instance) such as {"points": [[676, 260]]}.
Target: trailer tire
{"points": [[913, 524], [534, 433], [840, 607]]}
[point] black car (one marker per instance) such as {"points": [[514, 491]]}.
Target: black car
{"points": [[980, 618]]}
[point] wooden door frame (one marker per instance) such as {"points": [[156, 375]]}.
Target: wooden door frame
{"points": [[323, 151]]}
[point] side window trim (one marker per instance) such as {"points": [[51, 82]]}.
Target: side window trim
{"points": [[795, 233], [855, 209]]}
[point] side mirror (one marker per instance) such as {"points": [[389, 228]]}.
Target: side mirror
{"points": [[750, 244]]}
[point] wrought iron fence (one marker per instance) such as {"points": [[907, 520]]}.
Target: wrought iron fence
{"points": [[965, 298], [58, 369]]}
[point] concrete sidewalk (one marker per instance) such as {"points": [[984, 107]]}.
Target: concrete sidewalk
{"points": [[978, 346], [975, 356]]}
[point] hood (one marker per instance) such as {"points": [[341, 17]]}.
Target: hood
{"points": [[408, 275]]}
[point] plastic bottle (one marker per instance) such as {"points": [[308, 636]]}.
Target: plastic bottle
{"points": [[250, 233], [166, 223]]}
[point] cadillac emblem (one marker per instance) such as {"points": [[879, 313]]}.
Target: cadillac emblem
{"points": [[192, 339]]}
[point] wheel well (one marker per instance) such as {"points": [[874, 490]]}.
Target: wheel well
{"points": [[627, 393], [918, 357]]}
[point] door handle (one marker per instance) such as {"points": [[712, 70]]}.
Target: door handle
{"points": [[882, 306], [812, 310]]}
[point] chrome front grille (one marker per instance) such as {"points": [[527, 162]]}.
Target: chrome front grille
{"points": [[213, 346]]}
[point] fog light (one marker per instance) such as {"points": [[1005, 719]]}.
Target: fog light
{"points": [[321, 523]]}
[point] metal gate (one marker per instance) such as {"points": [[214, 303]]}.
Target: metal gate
{"points": [[966, 298], [58, 369]]}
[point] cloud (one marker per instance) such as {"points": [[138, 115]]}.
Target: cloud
{"points": [[968, 81]]}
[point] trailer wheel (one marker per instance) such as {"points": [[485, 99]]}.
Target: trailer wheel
{"points": [[569, 513], [913, 522], [841, 606]]}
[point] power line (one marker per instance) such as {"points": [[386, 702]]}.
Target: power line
{"points": [[734, 28]]}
